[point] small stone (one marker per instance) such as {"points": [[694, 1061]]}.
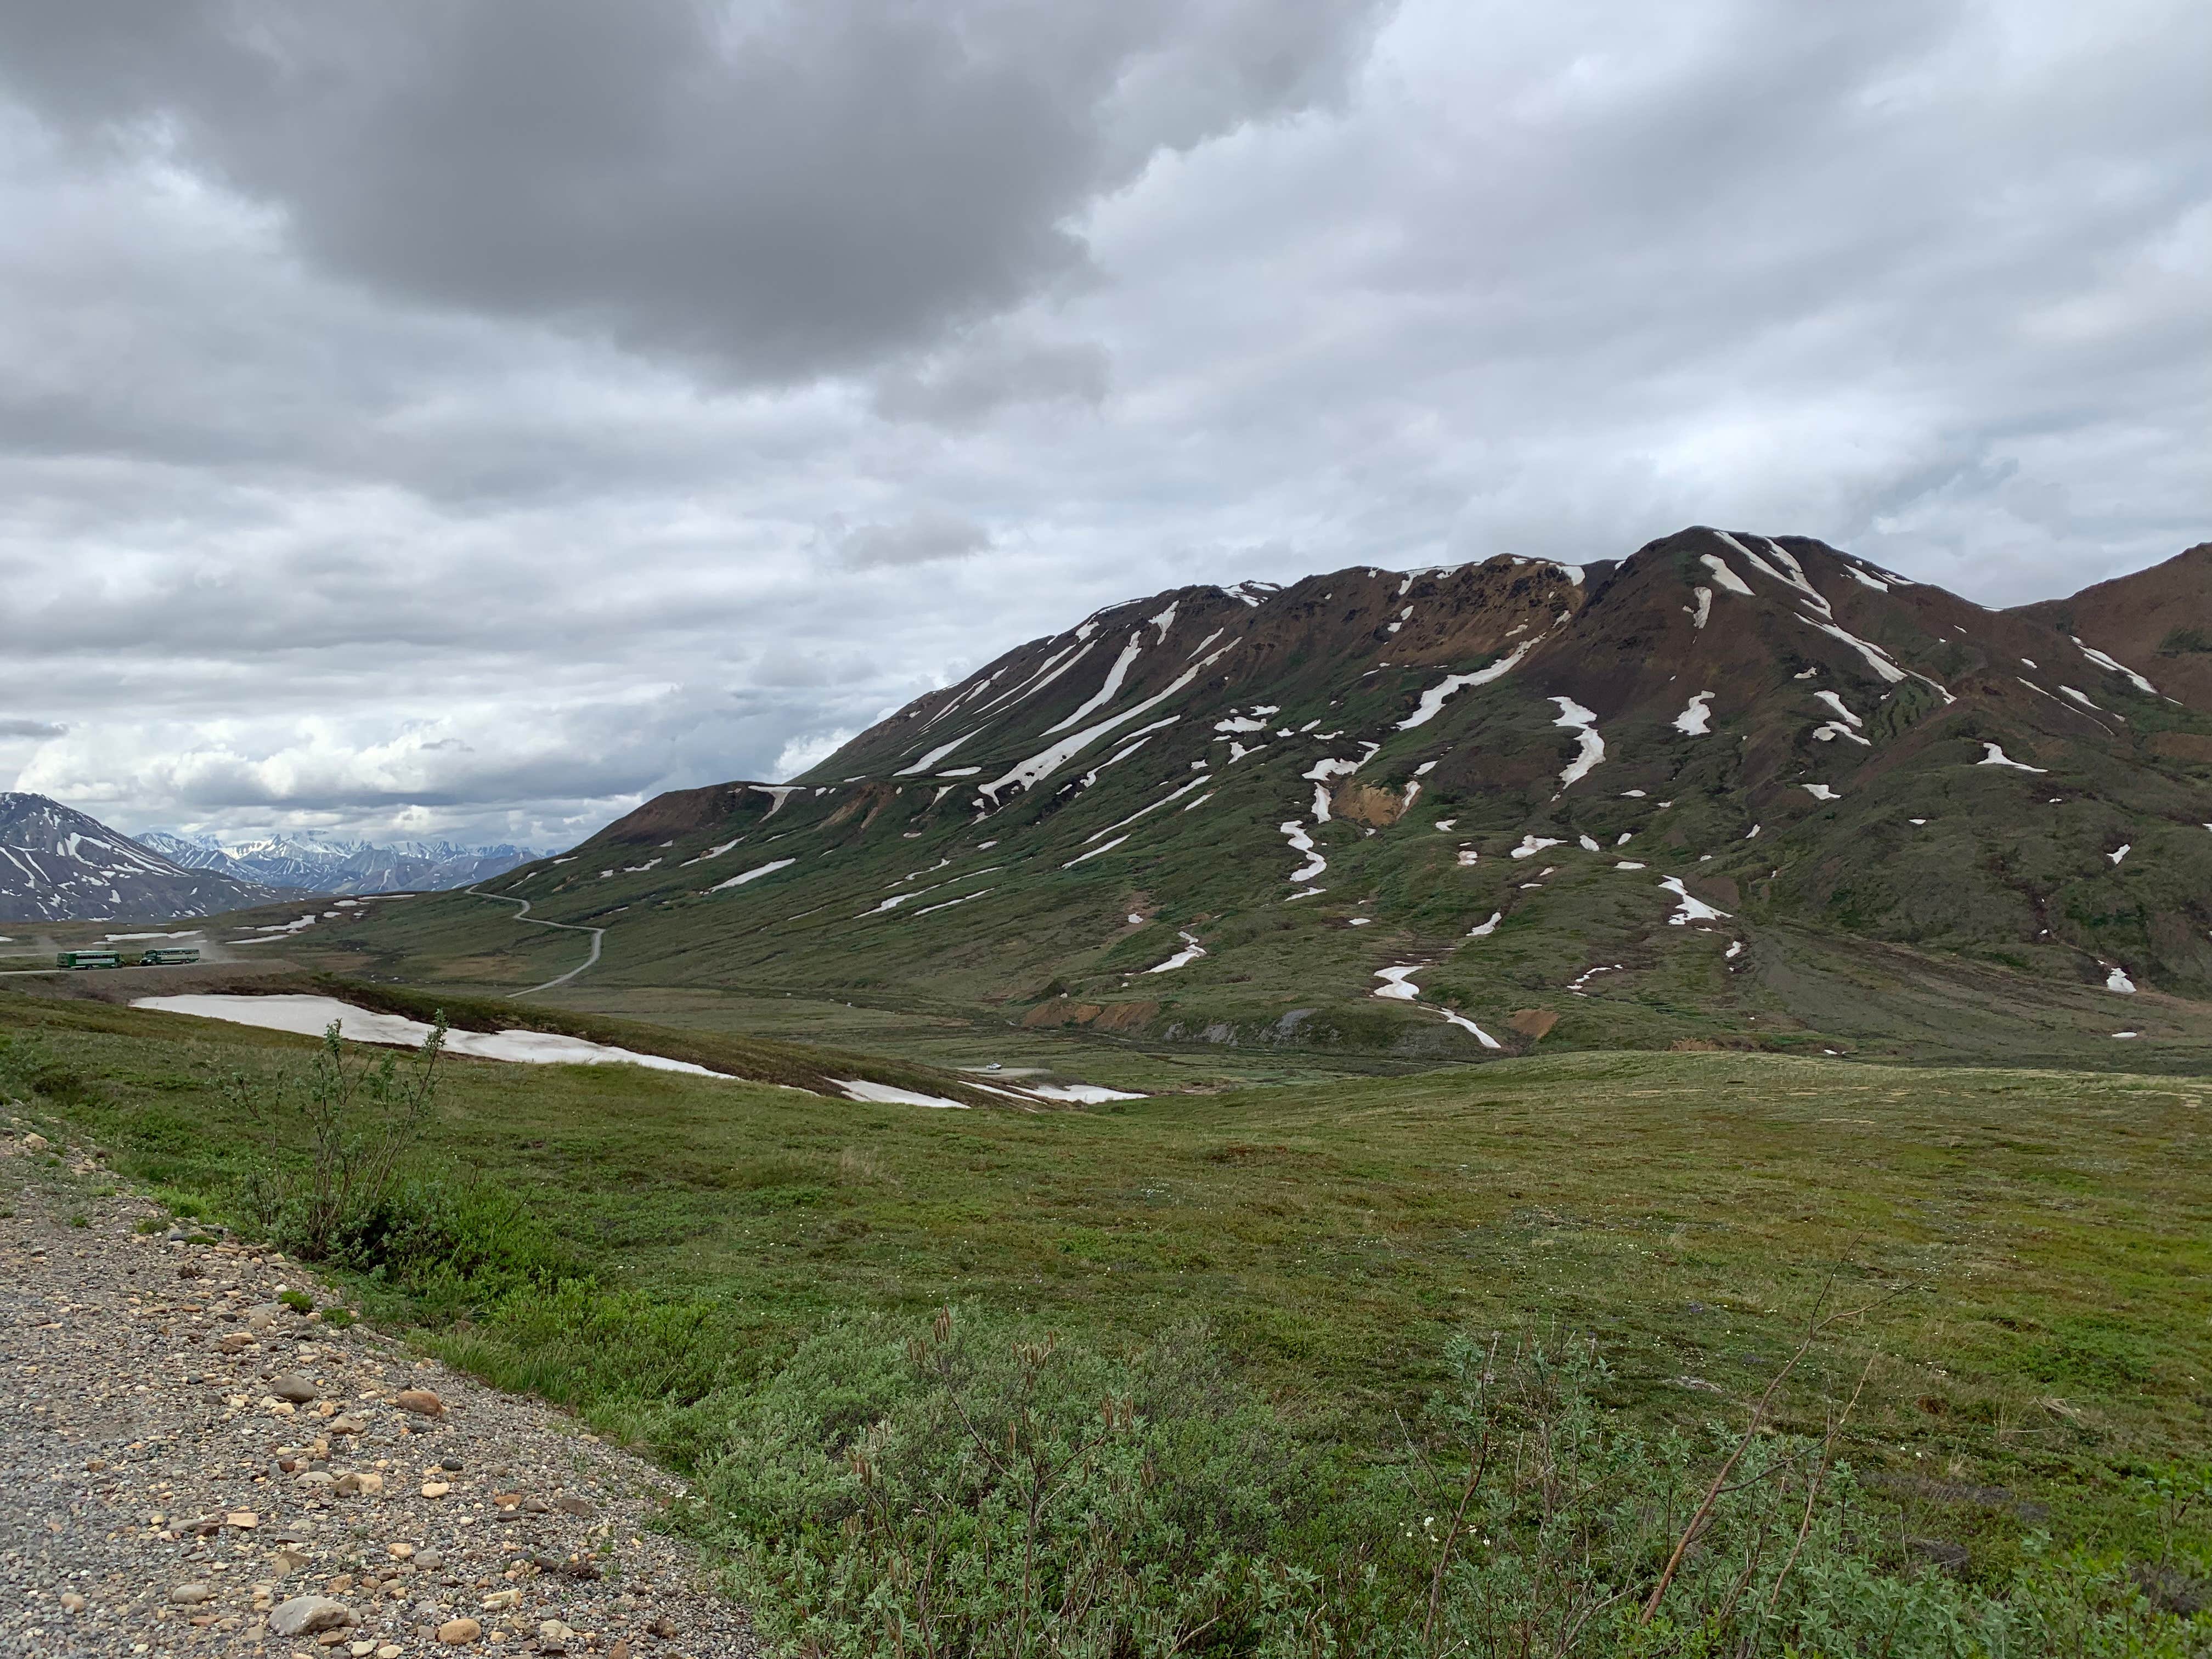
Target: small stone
{"points": [[399, 1552], [285, 1562], [620, 1650], [361, 1649], [312, 1478], [1941, 1553], [303, 1615], [459, 1632], [430, 1561], [421, 1402], [235, 1342], [500, 1601], [575, 1505], [72, 1602], [261, 1316], [554, 1636], [390, 1650], [191, 1595], [293, 1387], [536, 1506], [343, 1426], [36, 1143], [436, 1488], [361, 1481], [663, 1627], [243, 1519]]}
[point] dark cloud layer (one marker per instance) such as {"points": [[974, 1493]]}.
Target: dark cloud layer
{"points": [[773, 189], [419, 416]]}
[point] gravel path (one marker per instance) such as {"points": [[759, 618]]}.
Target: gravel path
{"points": [[194, 1468]]}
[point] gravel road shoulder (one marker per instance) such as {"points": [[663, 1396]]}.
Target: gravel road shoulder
{"points": [[196, 1468]]}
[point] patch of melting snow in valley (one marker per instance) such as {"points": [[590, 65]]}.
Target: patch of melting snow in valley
{"points": [[1583, 723], [753, 874], [1401, 988], [1821, 792], [1484, 929], [883, 1094], [1468, 1025], [2118, 980], [1703, 610], [1533, 844], [2104, 661], [1691, 909], [1295, 833], [1191, 951], [1432, 700], [711, 852], [1725, 576], [1992, 755], [311, 1015], [1696, 720], [927, 909], [2125, 847]]}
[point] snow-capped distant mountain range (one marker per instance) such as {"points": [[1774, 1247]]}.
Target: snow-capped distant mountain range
{"points": [[59, 864], [341, 867]]}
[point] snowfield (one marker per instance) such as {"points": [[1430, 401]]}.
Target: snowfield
{"points": [[311, 1015]]}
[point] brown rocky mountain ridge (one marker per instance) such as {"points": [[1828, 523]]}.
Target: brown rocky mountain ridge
{"points": [[1729, 788]]}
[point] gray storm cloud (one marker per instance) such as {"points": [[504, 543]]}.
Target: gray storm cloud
{"points": [[479, 417]]}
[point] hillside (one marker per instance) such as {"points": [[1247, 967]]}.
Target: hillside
{"points": [[1731, 790], [59, 864], [2155, 619], [342, 867]]}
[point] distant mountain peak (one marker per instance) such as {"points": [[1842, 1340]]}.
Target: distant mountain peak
{"points": [[58, 864], [310, 862]]}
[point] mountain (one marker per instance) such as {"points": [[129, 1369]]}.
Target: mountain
{"points": [[2154, 619], [343, 866], [1731, 790], [59, 864]]}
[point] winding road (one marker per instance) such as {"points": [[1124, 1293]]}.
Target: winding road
{"points": [[598, 935]]}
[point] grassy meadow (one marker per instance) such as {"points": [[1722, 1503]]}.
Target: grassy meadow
{"points": [[673, 1255]]}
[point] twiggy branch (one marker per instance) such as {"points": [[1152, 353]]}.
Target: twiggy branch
{"points": [[1816, 1324]]}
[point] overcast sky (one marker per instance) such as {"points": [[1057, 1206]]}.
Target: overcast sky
{"points": [[472, 416]]}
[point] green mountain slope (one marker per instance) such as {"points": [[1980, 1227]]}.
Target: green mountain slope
{"points": [[1730, 790]]}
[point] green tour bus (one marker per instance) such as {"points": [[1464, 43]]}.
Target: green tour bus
{"points": [[98, 959], [168, 955]]}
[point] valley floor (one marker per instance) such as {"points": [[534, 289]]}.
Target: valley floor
{"points": [[665, 1253], [149, 1513]]}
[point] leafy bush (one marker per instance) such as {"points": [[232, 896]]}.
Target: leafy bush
{"points": [[359, 1118], [963, 1493], [954, 1494]]}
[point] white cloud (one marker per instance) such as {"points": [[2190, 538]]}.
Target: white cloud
{"points": [[803, 753], [319, 509]]}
